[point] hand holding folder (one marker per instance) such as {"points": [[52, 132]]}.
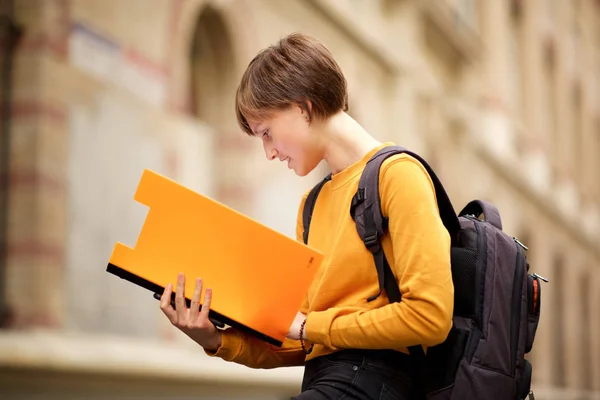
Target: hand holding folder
{"points": [[159, 296], [193, 321], [259, 276]]}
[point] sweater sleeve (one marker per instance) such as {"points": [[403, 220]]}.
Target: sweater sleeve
{"points": [[242, 348], [245, 349], [421, 264]]}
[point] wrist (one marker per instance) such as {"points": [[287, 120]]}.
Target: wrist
{"points": [[218, 340], [214, 344], [303, 337]]}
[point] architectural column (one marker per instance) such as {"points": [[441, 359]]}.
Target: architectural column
{"points": [[532, 57], [541, 260], [589, 178], [595, 327], [498, 129], [596, 159], [572, 327], [562, 152], [586, 284], [589, 166], [536, 158], [494, 35], [36, 236]]}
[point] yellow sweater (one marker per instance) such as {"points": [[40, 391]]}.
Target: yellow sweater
{"points": [[417, 247]]}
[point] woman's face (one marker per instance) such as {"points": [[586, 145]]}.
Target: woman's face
{"points": [[288, 136]]}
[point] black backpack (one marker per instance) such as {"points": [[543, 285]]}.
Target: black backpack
{"points": [[496, 300]]}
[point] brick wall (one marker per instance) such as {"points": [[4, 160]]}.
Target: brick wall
{"points": [[37, 179]]}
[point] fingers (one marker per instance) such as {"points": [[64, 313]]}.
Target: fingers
{"points": [[194, 317], [180, 298], [165, 304], [206, 305], [195, 304]]}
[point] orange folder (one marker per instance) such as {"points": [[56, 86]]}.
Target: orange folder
{"points": [[258, 276]]}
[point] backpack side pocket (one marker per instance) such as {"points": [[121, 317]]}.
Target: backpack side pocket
{"points": [[534, 301]]}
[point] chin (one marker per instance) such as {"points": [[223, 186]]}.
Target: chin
{"points": [[303, 171]]}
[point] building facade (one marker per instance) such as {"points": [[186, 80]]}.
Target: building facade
{"points": [[502, 97]]}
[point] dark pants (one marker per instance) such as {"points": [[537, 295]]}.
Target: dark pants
{"points": [[360, 375]]}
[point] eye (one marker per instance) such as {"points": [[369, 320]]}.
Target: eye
{"points": [[266, 134]]}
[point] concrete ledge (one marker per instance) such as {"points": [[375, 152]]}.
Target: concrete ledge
{"points": [[59, 352], [551, 393], [391, 60], [55, 365]]}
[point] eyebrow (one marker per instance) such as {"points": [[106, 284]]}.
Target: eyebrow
{"points": [[255, 132]]}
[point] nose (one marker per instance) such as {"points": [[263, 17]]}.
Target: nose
{"points": [[270, 151]]}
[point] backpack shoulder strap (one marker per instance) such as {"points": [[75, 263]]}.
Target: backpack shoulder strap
{"points": [[371, 224], [309, 206]]}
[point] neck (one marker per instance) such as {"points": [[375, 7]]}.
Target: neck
{"points": [[345, 142]]}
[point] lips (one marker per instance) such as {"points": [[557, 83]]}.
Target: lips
{"points": [[288, 159]]}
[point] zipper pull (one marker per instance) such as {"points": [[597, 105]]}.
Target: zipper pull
{"points": [[517, 241], [535, 275]]}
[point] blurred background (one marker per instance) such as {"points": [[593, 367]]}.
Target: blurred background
{"points": [[501, 96]]}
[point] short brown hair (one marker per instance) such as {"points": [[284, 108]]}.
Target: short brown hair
{"points": [[296, 69]]}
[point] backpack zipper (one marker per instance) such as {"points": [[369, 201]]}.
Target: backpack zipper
{"points": [[517, 241]]}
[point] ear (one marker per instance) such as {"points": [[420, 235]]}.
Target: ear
{"points": [[306, 109], [308, 105]]}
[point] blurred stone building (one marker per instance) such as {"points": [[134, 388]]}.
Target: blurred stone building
{"points": [[502, 96]]}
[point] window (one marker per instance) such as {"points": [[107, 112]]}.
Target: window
{"points": [[596, 158], [424, 116], [466, 11], [211, 63], [549, 105], [579, 158], [551, 10], [516, 56]]}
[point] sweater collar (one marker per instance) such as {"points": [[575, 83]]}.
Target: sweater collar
{"points": [[346, 175]]}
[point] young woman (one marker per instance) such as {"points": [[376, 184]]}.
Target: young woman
{"points": [[293, 98]]}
